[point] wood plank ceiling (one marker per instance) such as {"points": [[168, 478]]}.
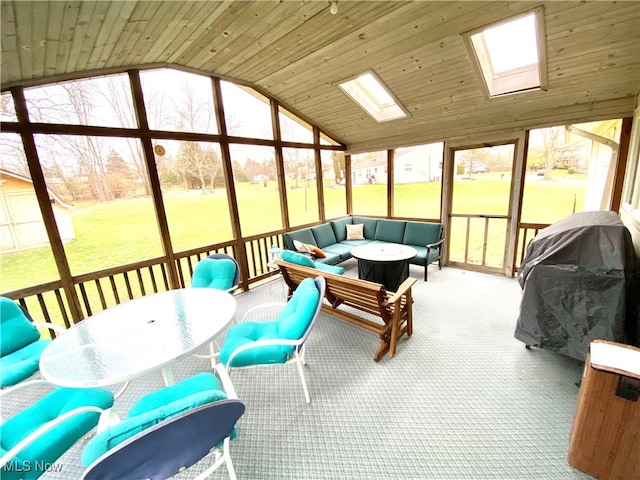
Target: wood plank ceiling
{"points": [[296, 51]]}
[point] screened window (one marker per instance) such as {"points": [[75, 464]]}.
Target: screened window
{"points": [[178, 101], [247, 113], [417, 181], [369, 181], [99, 101]]}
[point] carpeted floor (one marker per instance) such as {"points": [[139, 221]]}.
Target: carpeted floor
{"points": [[462, 399]]}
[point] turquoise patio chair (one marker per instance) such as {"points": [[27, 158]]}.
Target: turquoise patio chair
{"points": [[39, 435], [169, 430], [20, 343], [281, 340], [218, 270]]}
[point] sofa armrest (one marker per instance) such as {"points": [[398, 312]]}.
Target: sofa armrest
{"points": [[438, 244]]}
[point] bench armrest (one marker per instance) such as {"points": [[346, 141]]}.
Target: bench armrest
{"points": [[402, 290]]}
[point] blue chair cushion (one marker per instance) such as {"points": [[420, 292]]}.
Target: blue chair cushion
{"points": [[291, 324], [51, 445], [216, 273], [16, 331], [21, 364], [154, 408]]}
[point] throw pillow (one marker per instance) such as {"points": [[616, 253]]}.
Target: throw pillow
{"points": [[316, 251], [355, 232], [301, 247]]}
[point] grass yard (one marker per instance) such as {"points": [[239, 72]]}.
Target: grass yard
{"points": [[119, 232]]}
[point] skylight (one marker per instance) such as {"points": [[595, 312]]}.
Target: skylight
{"points": [[369, 92], [510, 56]]}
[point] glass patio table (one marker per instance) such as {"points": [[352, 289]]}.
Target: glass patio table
{"points": [[137, 337]]}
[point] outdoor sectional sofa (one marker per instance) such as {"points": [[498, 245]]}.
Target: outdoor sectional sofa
{"points": [[331, 238]]}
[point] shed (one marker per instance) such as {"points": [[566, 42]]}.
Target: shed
{"points": [[21, 224]]}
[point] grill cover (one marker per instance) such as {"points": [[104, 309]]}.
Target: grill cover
{"points": [[579, 282]]}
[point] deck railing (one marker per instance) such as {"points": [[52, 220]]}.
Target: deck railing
{"points": [[97, 291], [102, 289]]}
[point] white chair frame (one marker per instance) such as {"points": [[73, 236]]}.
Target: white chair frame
{"points": [[298, 355]]}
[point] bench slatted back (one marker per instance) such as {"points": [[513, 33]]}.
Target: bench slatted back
{"points": [[366, 296]]}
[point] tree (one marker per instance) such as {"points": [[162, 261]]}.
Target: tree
{"points": [[338, 166], [119, 175], [550, 147]]}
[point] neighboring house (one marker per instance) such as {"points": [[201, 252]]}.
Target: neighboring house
{"points": [[21, 224], [411, 165]]}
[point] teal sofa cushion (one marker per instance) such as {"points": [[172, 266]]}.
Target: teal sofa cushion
{"points": [[305, 236], [305, 261], [370, 225], [421, 257], [339, 229], [391, 231], [340, 249], [16, 330], [421, 233], [323, 235], [50, 446], [218, 273], [22, 363], [291, 323], [155, 408]]}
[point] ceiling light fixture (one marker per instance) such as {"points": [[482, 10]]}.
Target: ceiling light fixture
{"points": [[333, 7]]}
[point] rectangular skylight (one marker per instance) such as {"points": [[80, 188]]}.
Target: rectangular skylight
{"points": [[368, 91], [510, 56]]}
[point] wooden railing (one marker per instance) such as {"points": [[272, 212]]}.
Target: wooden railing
{"points": [[97, 291], [485, 241], [526, 231], [102, 289]]}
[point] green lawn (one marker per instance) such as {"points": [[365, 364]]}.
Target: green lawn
{"points": [[119, 232]]}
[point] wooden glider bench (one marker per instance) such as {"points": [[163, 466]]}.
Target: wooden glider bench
{"points": [[394, 309]]}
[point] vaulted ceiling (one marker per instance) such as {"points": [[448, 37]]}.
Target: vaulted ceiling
{"points": [[296, 51]]}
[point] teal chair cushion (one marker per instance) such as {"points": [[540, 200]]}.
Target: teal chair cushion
{"points": [[296, 316], [339, 229], [297, 258], [16, 331], [421, 257], [305, 261], [154, 408], [21, 364], [248, 332], [323, 235], [304, 236], [291, 323], [50, 446], [216, 273], [370, 225], [335, 269], [421, 233], [390, 231]]}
